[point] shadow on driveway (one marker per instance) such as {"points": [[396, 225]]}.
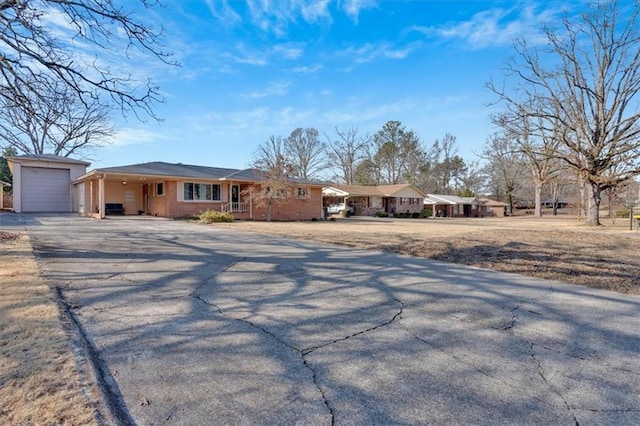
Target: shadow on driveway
{"points": [[198, 325]]}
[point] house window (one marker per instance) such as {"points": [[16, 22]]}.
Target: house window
{"points": [[375, 202], [201, 192], [159, 189], [303, 193], [275, 193]]}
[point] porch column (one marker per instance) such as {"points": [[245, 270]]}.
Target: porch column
{"points": [[251, 202], [101, 196]]}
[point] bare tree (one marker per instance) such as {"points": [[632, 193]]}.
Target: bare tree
{"points": [[473, 178], [345, 151], [31, 49], [305, 152], [271, 165], [586, 81], [505, 163], [55, 121], [540, 146]]}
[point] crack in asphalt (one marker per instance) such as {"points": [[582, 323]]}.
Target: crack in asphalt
{"points": [[462, 360], [514, 317], [548, 383], [393, 319], [282, 342], [303, 352]]}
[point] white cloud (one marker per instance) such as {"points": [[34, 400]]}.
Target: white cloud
{"points": [[221, 10], [290, 50], [307, 69], [247, 56], [133, 136], [353, 7], [274, 16], [316, 10], [370, 51], [495, 27], [274, 89]]}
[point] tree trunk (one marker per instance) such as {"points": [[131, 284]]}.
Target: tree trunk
{"points": [[509, 203], [554, 192], [269, 210], [593, 205], [538, 197], [583, 198]]}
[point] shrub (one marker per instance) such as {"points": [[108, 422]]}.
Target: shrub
{"points": [[381, 214], [415, 215], [345, 213], [400, 215], [622, 213], [426, 213], [212, 216]]}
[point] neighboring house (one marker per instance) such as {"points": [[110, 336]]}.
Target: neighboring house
{"points": [[368, 200], [182, 190], [2, 185], [547, 203], [41, 183], [452, 205], [491, 208]]}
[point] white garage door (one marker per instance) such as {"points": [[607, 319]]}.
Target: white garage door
{"points": [[46, 190]]}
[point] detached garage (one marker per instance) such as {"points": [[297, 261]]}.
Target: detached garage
{"points": [[42, 183]]}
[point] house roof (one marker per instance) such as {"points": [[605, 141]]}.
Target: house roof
{"points": [[450, 199], [370, 190], [52, 158], [490, 202], [159, 168], [178, 170]]}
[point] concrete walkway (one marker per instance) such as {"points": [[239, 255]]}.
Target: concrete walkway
{"points": [[197, 325]]}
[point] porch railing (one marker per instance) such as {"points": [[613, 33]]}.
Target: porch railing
{"points": [[234, 207]]}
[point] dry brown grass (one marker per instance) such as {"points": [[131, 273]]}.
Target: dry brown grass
{"points": [[559, 248], [40, 383]]}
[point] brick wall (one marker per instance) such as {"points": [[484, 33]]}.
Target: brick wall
{"points": [[288, 209], [293, 208]]}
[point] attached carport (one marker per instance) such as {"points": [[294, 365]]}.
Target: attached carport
{"points": [[42, 183]]}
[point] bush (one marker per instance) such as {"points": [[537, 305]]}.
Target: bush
{"points": [[426, 213], [345, 213], [622, 213], [415, 215], [400, 215], [212, 216], [381, 214]]}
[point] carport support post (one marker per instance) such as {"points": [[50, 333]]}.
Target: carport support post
{"points": [[101, 196]]}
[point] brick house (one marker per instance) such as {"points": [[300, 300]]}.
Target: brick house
{"points": [[181, 190], [368, 200], [452, 205]]}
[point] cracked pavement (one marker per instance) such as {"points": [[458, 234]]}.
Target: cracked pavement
{"points": [[198, 325]]}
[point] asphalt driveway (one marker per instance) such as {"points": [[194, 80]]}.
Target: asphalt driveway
{"points": [[198, 325]]}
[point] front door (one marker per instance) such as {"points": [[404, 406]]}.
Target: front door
{"points": [[145, 197], [235, 194]]}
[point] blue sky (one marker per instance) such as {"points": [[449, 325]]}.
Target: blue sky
{"points": [[256, 68]]}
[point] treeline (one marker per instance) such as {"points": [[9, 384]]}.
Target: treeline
{"points": [[390, 156]]}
